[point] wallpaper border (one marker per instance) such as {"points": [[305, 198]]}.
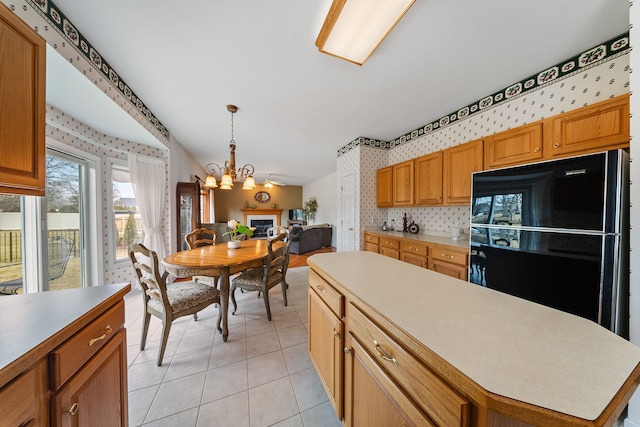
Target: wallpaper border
{"points": [[610, 49]]}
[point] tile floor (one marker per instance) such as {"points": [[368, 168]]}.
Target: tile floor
{"points": [[262, 376]]}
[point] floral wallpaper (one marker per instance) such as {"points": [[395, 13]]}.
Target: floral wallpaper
{"points": [[595, 75]]}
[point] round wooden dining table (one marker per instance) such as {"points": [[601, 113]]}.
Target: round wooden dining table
{"points": [[218, 260]]}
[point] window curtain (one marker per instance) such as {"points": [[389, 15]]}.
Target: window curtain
{"points": [[148, 178]]}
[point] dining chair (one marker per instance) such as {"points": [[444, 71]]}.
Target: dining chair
{"points": [[262, 279], [276, 230], [167, 301], [202, 237]]}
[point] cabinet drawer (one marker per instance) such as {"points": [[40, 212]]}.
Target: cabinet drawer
{"points": [[389, 243], [448, 255], [331, 297], [439, 401], [370, 247], [65, 360], [417, 248], [370, 238]]}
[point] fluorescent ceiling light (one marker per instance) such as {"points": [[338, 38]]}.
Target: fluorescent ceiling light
{"points": [[353, 29]]}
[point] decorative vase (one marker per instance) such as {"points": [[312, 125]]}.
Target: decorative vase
{"points": [[233, 244]]}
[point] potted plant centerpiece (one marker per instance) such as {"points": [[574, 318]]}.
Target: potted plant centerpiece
{"points": [[236, 231]]}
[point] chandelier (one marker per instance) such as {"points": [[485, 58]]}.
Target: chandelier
{"points": [[228, 172]]}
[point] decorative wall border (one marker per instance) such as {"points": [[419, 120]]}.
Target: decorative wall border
{"points": [[52, 14], [610, 49], [361, 140]]}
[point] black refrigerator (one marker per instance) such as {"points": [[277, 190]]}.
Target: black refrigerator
{"points": [[556, 233]]}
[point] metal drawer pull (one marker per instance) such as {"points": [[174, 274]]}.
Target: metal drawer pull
{"points": [[320, 288], [346, 350], [384, 355], [447, 256], [335, 334], [107, 331], [74, 409]]}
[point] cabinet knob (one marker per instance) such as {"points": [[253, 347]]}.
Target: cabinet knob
{"points": [[447, 256], [320, 288], [74, 409], [556, 145], [346, 350], [335, 334], [536, 150]]}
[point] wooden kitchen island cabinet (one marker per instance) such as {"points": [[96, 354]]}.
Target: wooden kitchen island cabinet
{"points": [[421, 348], [63, 359]]}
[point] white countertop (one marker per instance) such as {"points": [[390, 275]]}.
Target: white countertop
{"points": [[440, 239], [507, 345]]}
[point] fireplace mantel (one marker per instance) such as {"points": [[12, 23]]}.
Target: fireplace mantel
{"points": [[249, 212]]}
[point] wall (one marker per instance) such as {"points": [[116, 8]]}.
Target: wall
{"points": [[594, 83], [323, 190], [228, 203]]}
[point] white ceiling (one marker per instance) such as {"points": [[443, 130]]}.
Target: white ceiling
{"points": [[188, 60]]}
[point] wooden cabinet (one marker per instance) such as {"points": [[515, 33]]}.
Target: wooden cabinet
{"points": [[414, 252], [403, 184], [390, 246], [326, 337], [384, 187], [371, 242], [20, 399], [22, 102], [188, 211], [448, 260], [459, 163], [597, 127], [515, 146], [428, 179], [96, 394], [69, 362], [387, 357]]}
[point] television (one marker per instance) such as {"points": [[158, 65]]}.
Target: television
{"points": [[296, 214]]}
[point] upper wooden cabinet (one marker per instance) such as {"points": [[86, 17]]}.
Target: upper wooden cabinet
{"points": [[403, 184], [600, 126], [22, 107], [428, 179], [459, 163], [515, 146], [384, 187]]}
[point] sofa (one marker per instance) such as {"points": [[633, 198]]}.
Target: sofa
{"points": [[309, 238]]}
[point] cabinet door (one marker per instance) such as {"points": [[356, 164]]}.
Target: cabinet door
{"points": [[325, 348], [403, 184], [371, 397], [22, 102], [97, 394], [21, 400], [516, 146], [370, 247], [601, 126], [419, 260], [428, 179], [384, 187], [459, 163]]}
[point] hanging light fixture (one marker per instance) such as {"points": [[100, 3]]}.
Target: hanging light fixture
{"points": [[228, 173]]}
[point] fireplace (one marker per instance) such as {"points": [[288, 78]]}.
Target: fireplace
{"points": [[261, 226]]}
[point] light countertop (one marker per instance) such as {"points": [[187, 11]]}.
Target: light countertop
{"points": [[509, 346], [440, 238]]}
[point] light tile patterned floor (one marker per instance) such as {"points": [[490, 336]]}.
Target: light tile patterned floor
{"points": [[262, 376]]}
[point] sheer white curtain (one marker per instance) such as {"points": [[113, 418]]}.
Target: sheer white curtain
{"points": [[148, 178]]}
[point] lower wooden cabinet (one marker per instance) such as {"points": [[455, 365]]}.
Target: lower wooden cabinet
{"points": [[390, 246], [20, 399], [371, 242], [371, 397], [326, 337], [448, 260], [414, 252], [95, 395]]}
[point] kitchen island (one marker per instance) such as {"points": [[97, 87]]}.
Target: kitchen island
{"points": [[63, 358], [430, 349]]}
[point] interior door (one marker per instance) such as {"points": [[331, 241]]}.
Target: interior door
{"points": [[348, 213]]}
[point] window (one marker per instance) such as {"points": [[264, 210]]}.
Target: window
{"points": [[127, 222]]}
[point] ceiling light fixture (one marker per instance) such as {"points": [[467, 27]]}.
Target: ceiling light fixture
{"points": [[353, 29], [228, 173]]}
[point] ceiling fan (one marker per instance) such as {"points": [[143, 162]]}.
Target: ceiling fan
{"points": [[269, 183]]}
